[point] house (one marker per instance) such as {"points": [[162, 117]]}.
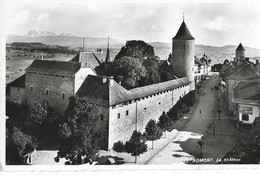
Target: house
{"points": [[247, 100], [242, 71]]}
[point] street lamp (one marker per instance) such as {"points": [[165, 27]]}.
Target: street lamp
{"points": [[200, 143]]}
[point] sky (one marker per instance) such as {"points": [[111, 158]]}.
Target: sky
{"points": [[210, 23]]}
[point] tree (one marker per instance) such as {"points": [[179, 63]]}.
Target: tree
{"points": [[129, 71], [39, 113], [137, 49], [135, 146], [78, 134], [17, 112], [18, 145], [165, 123], [152, 131], [152, 71], [174, 112]]}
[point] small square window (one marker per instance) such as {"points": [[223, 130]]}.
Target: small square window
{"points": [[245, 117], [159, 103], [127, 112], [118, 115], [144, 109]]}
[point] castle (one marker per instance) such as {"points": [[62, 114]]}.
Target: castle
{"points": [[120, 111]]}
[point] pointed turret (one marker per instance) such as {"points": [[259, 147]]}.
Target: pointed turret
{"points": [[183, 54], [240, 47], [240, 53], [183, 33], [108, 53]]}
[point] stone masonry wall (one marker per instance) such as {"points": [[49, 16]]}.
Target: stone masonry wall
{"points": [[16, 94], [36, 86], [140, 112]]}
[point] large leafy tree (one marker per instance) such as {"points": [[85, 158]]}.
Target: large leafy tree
{"points": [[135, 145], [165, 123], [42, 121], [137, 49], [39, 113], [18, 145], [78, 134], [151, 65], [129, 71], [152, 131]]}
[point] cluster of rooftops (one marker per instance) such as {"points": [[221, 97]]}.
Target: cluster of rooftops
{"points": [[101, 89]]}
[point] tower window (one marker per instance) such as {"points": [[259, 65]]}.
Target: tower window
{"points": [[127, 112], [31, 87], [63, 95], [102, 117], [118, 115], [18, 89], [47, 91]]}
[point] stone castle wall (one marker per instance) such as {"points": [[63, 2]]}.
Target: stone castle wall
{"points": [[60, 88], [16, 94], [140, 112]]}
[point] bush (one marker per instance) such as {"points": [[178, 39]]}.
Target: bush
{"points": [[119, 147]]}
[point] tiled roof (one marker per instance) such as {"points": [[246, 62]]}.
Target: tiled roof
{"points": [[183, 33], [159, 87], [198, 61], [19, 82], [105, 91], [248, 90], [63, 68], [242, 70], [102, 90], [240, 48], [89, 59]]}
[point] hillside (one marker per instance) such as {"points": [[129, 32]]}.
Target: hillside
{"points": [[64, 40], [216, 54], [162, 49]]}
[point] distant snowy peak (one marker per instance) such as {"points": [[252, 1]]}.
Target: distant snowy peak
{"points": [[35, 33]]}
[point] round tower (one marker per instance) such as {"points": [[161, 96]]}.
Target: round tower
{"points": [[183, 54], [240, 52]]}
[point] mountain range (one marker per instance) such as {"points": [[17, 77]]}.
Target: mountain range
{"points": [[162, 49], [35, 33]]}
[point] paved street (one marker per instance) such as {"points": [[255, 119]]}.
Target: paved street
{"points": [[226, 135]]}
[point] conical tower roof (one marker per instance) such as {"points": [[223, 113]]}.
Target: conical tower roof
{"points": [[183, 33], [240, 48]]}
